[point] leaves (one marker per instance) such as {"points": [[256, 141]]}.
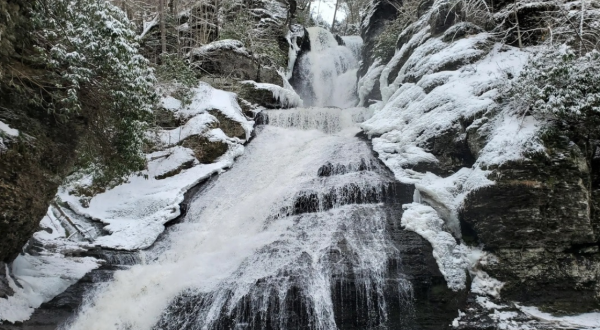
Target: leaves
{"points": [[91, 48], [563, 89]]}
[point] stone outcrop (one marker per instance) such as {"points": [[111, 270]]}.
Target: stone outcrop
{"points": [[31, 168], [230, 60], [541, 217], [537, 219]]}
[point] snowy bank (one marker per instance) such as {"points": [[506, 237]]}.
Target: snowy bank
{"points": [[134, 213], [37, 278]]}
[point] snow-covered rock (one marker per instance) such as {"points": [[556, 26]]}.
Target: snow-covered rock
{"points": [[134, 213]]}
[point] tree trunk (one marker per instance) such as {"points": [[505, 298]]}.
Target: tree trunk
{"points": [[163, 30], [518, 26], [581, 27], [337, 4]]}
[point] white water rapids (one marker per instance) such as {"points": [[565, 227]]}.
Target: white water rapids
{"points": [[264, 245]]}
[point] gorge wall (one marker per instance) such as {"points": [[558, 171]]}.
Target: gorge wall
{"points": [[539, 216]]}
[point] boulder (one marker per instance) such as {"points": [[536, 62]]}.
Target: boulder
{"points": [[206, 151], [230, 60]]}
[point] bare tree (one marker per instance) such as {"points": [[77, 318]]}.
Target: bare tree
{"points": [[163, 30], [337, 5]]}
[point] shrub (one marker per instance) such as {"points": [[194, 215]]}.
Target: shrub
{"points": [[563, 90]]}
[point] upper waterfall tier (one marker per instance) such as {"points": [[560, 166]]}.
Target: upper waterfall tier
{"points": [[326, 75]]}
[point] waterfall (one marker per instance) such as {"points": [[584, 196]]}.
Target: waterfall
{"points": [[326, 75], [294, 236]]}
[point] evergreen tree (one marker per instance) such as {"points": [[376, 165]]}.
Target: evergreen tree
{"points": [[91, 48]]}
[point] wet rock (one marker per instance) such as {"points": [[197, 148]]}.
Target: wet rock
{"points": [[5, 289], [166, 118], [262, 97], [230, 59], [537, 203], [382, 13], [444, 17], [229, 126], [183, 166], [559, 282], [206, 151]]}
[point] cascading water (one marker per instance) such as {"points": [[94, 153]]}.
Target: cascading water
{"points": [[294, 236], [326, 76]]}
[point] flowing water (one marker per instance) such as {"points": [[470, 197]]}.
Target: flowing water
{"points": [[294, 236]]}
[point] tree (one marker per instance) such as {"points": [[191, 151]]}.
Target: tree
{"points": [[163, 30], [337, 5], [96, 72]]}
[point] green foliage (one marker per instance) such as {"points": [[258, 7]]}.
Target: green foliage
{"points": [[385, 46], [237, 26], [90, 49], [563, 90], [173, 69], [241, 25], [13, 24], [176, 73]]}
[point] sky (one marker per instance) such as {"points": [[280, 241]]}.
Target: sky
{"points": [[325, 9]]}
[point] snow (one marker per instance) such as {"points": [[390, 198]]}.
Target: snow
{"points": [[449, 255], [134, 213], [204, 98], [512, 137], [196, 125], [589, 321], [7, 130], [39, 278], [226, 44], [485, 285], [286, 97], [411, 116], [148, 26], [170, 103], [6, 133], [168, 160]]}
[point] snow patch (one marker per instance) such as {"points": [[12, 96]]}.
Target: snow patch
{"points": [[287, 97], [7, 130], [39, 278], [589, 321], [226, 44], [135, 212]]}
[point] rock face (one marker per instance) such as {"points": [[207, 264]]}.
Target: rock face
{"points": [[541, 216], [31, 169], [229, 59], [538, 220]]}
